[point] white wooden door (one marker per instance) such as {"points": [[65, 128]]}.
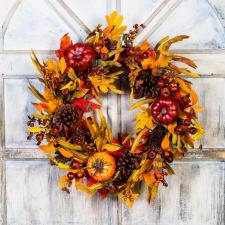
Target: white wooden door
{"points": [[29, 194]]}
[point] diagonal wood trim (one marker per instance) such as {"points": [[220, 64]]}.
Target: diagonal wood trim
{"points": [[159, 16]]}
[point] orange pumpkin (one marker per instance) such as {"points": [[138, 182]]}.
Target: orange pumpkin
{"points": [[101, 166]]}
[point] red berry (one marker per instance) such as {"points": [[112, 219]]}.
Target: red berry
{"points": [[75, 165], [104, 56], [152, 154], [39, 137], [180, 130], [165, 92], [131, 52], [137, 58], [174, 88], [71, 175], [161, 83], [145, 55], [80, 174], [167, 154], [187, 122], [193, 130], [169, 159], [98, 48]]}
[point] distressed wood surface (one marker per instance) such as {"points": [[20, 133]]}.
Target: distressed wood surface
{"points": [[28, 191], [37, 199], [194, 196]]}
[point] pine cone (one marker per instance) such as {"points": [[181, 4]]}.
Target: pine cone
{"points": [[126, 165], [79, 137], [146, 85], [65, 116]]}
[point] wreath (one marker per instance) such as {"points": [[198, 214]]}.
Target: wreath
{"points": [[71, 123]]}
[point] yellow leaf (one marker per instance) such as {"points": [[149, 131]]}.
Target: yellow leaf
{"points": [[69, 145], [71, 74], [153, 192], [81, 93], [165, 142], [117, 91], [183, 85], [35, 129], [104, 89], [141, 102], [161, 41], [70, 86], [111, 147], [66, 153], [165, 47], [47, 148], [40, 116], [64, 181], [138, 139], [62, 65], [163, 60]]}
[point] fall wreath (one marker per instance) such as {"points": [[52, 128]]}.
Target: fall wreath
{"points": [[71, 123]]}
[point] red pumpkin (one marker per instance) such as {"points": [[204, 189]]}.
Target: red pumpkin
{"points": [[80, 56], [165, 110]]}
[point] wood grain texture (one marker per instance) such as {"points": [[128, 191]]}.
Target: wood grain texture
{"points": [[30, 195], [33, 198], [195, 196]]}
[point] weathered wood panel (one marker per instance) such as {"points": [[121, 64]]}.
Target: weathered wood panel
{"points": [[34, 198], [195, 196]]}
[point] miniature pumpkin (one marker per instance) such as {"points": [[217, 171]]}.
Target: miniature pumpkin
{"points": [[101, 166], [165, 110], [80, 56]]}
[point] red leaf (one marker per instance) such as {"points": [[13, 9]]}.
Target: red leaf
{"points": [[85, 104], [118, 153], [103, 193], [90, 181]]}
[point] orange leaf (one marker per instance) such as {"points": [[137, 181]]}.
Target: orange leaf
{"points": [[144, 46], [149, 179], [38, 107], [47, 148], [104, 50], [165, 142], [194, 97], [66, 153], [198, 108]]}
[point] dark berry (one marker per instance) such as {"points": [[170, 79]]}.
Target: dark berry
{"points": [[75, 165], [165, 92], [71, 175], [187, 122], [145, 55], [152, 154], [193, 130], [180, 130], [80, 174], [161, 83], [169, 159], [104, 56]]}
